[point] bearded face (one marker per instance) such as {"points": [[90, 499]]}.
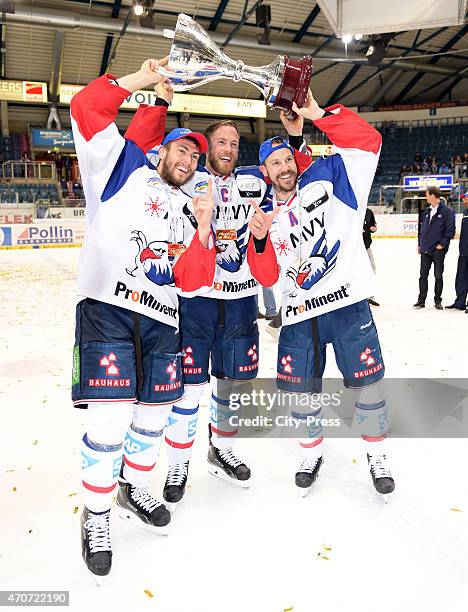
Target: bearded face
{"points": [[178, 161], [224, 150], [281, 169]]}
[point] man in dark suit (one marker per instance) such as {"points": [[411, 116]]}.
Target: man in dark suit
{"points": [[461, 280], [437, 229]]}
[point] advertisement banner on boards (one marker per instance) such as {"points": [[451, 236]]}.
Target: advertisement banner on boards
{"points": [[16, 215], [64, 212], [42, 233]]}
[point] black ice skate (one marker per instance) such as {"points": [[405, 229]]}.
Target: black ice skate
{"points": [[226, 465], [381, 476], [140, 507], [307, 474], [95, 543], [176, 481]]}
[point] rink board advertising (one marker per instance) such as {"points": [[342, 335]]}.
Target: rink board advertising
{"points": [[413, 408], [422, 182], [42, 234]]}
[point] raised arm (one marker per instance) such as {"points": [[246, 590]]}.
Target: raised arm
{"points": [[93, 110], [356, 145]]}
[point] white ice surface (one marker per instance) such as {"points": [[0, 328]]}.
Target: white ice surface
{"points": [[230, 549]]}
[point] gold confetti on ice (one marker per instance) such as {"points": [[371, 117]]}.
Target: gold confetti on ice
{"points": [[8, 471], [354, 460], [75, 509], [288, 609], [14, 489], [456, 510], [324, 557], [35, 442], [71, 494], [327, 548], [148, 592]]}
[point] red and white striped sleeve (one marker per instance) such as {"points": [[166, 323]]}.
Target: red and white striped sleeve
{"points": [[358, 144], [98, 142]]}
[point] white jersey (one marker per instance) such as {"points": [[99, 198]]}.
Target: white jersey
{"points": [[231, 216], [317, 234], [135, 240]]}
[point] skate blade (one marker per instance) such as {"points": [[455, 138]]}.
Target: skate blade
{"points": [[100, 580], [131, 518], [304, 491], [172, 506], [385, 498], [220, 473]]}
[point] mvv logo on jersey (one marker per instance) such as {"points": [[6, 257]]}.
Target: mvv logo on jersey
{"points": [[112, 371]]}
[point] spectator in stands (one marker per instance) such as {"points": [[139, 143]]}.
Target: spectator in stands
{"points": [[461, 280], [369, 227], [434, 166], [418, 157], [437, 229], [59, 166], [444, 168], [463, 167], [25, 171]]}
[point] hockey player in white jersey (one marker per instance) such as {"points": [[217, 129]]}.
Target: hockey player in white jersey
{"points": [[220, 325], [312, 240], [127, 361]]}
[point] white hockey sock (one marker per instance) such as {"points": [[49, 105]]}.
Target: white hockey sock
{"points": [[143, 441], [222, 432], [309, 414], [101, 452], [182, 425]]}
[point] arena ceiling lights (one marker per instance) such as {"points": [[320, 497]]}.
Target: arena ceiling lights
{"points": [[370, 17]]}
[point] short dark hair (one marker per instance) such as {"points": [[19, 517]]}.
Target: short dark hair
{"points": [[433, 190], [211, 129]]}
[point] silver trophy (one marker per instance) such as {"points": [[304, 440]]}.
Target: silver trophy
{"points": [[195, 59]]}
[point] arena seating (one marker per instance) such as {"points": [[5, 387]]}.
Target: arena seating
{"points": [[13, 147], [28, 192], [401, 144], [248, 152]]}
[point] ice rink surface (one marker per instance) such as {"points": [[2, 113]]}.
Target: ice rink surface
{"points": [[264, 549]]}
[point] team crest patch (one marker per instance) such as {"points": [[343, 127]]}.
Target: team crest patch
{"points": [[155, 181], [201, 187]]}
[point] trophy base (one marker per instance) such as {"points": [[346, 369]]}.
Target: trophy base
{"points": [[294, 84]]}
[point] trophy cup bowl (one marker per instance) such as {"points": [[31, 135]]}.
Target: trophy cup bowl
{"points": [[195, 60]]}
